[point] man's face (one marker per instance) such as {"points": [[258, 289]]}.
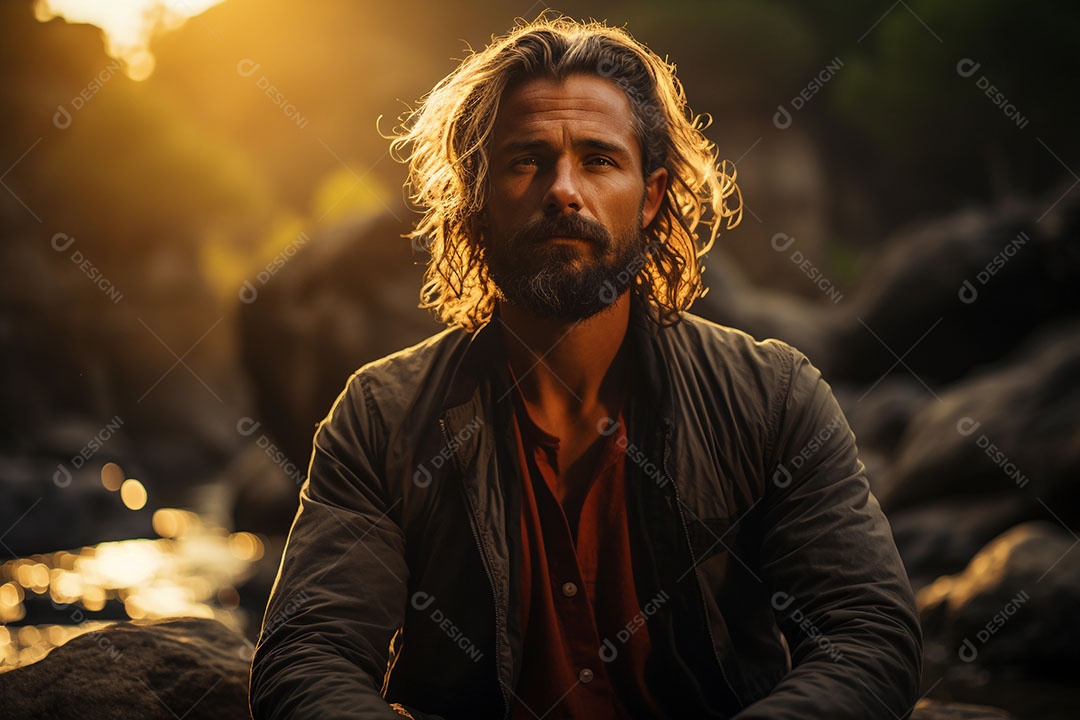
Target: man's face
{"points": [[568, 203]]}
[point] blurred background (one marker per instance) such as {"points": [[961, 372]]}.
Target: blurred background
{"points": [[202, 239]]}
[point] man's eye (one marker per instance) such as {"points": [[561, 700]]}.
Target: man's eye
{"points": [[601, 161], [526, 162]]}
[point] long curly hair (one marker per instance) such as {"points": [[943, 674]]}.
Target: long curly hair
{"points": [[445, 141]]}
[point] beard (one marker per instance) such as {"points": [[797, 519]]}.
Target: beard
{"points": [[560, 281]]}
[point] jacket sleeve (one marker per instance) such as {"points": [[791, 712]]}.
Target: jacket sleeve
{"points": [[835, 580], [339, 597]]}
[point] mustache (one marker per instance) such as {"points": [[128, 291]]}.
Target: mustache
{"points": [[565, 226]]}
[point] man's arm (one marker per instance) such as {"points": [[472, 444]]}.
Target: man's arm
{"points": [[837, 584], [340, 593]]}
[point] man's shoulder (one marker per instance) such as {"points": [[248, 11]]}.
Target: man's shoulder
{"points": [[386, 389], [407, 362], [710, 344], [403, 372]]}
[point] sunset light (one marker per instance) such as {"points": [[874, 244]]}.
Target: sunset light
{"points": [[128, 26]]}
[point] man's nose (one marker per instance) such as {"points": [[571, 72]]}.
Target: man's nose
{"points": [[563, 193]]}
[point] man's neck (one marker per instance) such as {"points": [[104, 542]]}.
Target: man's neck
{"points": [[568, 370]]}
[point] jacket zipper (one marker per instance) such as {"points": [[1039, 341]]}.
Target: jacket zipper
{"points": [[487, 570], [693, 559]]}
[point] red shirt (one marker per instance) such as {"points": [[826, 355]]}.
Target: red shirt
{"points": [[578, 594]]}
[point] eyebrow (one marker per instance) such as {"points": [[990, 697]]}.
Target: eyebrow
{"points": [[589, 142]]}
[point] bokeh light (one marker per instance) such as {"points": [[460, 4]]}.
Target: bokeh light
{"points": [[133, 494]]}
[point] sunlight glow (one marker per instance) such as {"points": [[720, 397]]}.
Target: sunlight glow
{"points": [[128, 26], [194, 571]]}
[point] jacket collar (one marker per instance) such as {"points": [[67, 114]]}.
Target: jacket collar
{"points": [[483, 357]]}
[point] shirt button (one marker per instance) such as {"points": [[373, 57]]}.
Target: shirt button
{"points": [[569, 589], [585, 675]]}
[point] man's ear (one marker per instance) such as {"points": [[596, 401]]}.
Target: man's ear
{"points": [[655, 187]]}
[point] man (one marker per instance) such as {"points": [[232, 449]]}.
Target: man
{"points": [[581, 501]]}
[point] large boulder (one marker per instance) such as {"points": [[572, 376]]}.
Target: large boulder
{"points": [[192, 668], [941, 537], [1005, 631], [733, 300], [88, 380], [950, 294], [879, 415], [1014, 605], [1011, 428], [348, 296]]}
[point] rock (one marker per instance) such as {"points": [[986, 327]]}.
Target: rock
{"points": [[192, 668], [345, 298], [85, 375], [879, 415], [1008, 429], [909, 303], [941, 537], [734, 301], [1014, 605], [265, 496], [927, 709]]}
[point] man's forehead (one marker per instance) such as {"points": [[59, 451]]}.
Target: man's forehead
{"points": [[531, 105]]}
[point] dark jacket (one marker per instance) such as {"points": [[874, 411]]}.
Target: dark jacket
{"points": [[753, 528]]}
